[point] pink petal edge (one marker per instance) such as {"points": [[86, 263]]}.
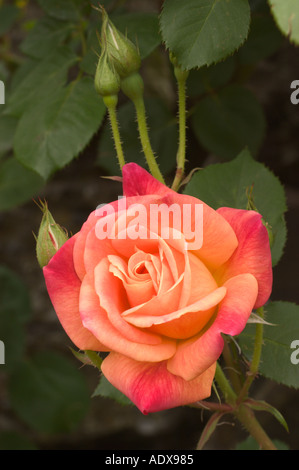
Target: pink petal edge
{"points": [[63, 286], [197, 354], [151, 387], [253, 254]]}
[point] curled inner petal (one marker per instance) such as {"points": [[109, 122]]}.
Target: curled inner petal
{"points": [[182, 323], [136, 344]]}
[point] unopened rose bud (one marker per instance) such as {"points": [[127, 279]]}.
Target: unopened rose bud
{"points": [[122, 53], [50, 237], [107, 81]]}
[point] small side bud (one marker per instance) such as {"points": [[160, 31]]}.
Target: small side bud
{"points": [[107, 81], [50, 237]]}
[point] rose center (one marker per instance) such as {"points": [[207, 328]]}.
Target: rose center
{"points": [[140, 270]]}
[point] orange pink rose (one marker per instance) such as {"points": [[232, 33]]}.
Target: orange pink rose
{"points": [[156, 306]]}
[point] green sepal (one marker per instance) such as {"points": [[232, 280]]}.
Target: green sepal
{"points": [[264, 406]]}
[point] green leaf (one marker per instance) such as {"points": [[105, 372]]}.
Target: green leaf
{"points": [[17, 184], [227, 121], [7, 129], [225, 184], [62, 9], [286, 15], [47, 35], [209, 429], [39, 79], [276, 363], [106, 390], [163, 135], [15, 310], [54, 131], [49, 394], [203, 32], [264, 406]]}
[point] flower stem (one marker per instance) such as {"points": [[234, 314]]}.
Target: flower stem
{"points": [[232, 369], [111, 106], [145, 141], [181, 76], [224, 385], [254, 366], [242, 412], [249, 421]]}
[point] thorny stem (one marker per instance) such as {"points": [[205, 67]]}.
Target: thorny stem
{"points": [[238, 407], [224, 385], [246, 416], [145, 142], [181, 77], [254, 366], [233, 373], [116, 136]]}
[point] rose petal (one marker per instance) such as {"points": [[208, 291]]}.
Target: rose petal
{"points": [[182, 323], [151, 386], [219, 240], [79, 247], [196, 355], [93, 241], [201, 280], [138, 182], [146, 347], [63, 287], [95, 250], [165, 302], [112, 299], [137, 292], [172, 290], [253, 254]]}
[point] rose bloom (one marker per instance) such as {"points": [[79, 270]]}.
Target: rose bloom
{"points": [[156, 306]]}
